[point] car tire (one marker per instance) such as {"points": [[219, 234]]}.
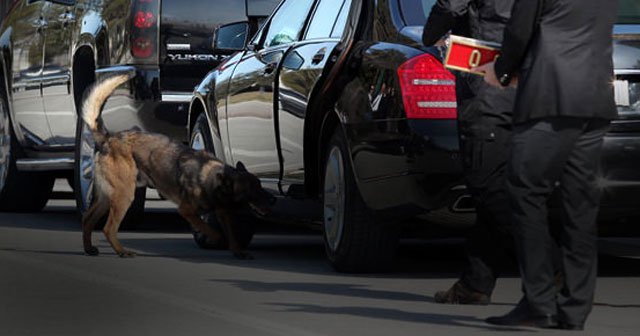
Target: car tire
{"points": [[83, 180], [19, 191], [244, 227], [355, 239]]}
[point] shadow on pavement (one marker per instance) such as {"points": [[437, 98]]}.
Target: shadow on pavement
{"points": [[351, 290], [305, 254], [397, 315]]}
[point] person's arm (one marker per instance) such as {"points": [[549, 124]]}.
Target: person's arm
{"points": [[517, 37], [442, 19]]}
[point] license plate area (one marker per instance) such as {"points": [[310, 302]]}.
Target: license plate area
{"points": [[627, 94]]}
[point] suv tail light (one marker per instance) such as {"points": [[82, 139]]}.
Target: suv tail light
{"points": [[144, 29], [428, 89]]}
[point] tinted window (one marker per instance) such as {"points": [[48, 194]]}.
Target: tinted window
{"points": [[415, 12], [629, 11], [338, 27], [287, 22], [323, 18]]}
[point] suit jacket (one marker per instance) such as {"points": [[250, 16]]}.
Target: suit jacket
{"points": [[478, 103], [562, 52]]}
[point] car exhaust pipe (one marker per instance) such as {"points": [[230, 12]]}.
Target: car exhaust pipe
{"points": [[463, 204]]}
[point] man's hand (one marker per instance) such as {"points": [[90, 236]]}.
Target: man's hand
{"points": [[490, 77], [489, 74]]}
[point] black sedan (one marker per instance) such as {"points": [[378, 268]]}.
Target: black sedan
{"points": [[337, 103]]}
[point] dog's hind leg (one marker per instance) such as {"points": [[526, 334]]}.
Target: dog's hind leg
{"points": [[98, 209], [121, 200], [226, 222]]}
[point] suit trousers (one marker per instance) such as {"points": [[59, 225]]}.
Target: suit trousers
{"points": [[560, 153], [489, 244]]}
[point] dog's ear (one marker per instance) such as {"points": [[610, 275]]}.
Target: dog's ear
{"points": [[240, 167]]}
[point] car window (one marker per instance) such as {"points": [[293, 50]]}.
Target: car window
{"points": [[341, 22], [287, 22], [323, 18], [629, 11], [415, 12]]}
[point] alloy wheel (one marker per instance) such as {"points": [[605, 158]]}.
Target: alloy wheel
{"points": [[197, 141], [5, 144], [334, 199]]}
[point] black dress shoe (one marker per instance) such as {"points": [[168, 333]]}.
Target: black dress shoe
{"points": [[521, 316], [461, 294], [567, 326]]}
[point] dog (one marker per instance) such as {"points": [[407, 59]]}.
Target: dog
{"points": [[195, 181]]}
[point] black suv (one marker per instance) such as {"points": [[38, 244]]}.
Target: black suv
{"points": [[51, 51], [338, 102]]}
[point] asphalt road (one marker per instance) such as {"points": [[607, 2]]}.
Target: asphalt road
{"points": [[48, 287]]}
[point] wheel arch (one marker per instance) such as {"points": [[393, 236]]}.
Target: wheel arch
{"points": [[6, 79], [197, 107], [318, 128]]}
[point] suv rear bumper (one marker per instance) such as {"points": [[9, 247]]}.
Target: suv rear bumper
{"points": [[143, 105]]}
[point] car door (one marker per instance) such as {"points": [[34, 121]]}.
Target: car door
{"points": [[250, 104], [301, 69], [56, 73], [28, 39]]}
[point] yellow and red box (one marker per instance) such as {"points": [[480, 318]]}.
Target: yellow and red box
{"points": [[466, 53]]}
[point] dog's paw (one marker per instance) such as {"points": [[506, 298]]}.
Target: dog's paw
{"points": [[91, 251], [243, 255], [127, 254]]}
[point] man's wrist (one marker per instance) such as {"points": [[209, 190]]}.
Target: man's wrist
{"points": [[504, 77]]}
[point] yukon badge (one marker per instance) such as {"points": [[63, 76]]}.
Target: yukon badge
{"points": [[194, 57]]}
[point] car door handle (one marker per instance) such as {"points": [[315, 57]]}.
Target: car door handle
{"points": [[269, 68], [67, 18], [317, 58]]}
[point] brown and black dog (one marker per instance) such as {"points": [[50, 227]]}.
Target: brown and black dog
{"points": [[194, 180]]}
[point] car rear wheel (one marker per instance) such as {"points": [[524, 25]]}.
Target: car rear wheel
{"points": [[355, 239], [19, 191], [243, 227], [84, 165]]}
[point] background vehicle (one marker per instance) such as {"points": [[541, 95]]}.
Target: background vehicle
{"points": [[53, 50], [621, 157], [338, 102]]}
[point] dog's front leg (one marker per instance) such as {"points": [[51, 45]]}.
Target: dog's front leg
{"points": [[226, 222], [190, 214]]}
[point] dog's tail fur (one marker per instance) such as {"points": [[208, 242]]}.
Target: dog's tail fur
{"points": [[95, 99]]}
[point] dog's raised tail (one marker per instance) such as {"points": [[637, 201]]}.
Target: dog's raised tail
{"points": [[95, 99]]}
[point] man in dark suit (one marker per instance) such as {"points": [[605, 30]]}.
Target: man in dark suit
{"points": [[484, 120], [561, 53]]}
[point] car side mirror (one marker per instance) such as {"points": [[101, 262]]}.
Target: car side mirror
{"points": [[231, 37]]}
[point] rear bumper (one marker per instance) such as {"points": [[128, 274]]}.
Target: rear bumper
{"points": [[140, 103], [405, 168], [620, 181]]}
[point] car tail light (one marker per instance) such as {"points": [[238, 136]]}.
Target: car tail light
{"points": [[142, 47], [144, 29], [143, 20], [428, 89]]}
